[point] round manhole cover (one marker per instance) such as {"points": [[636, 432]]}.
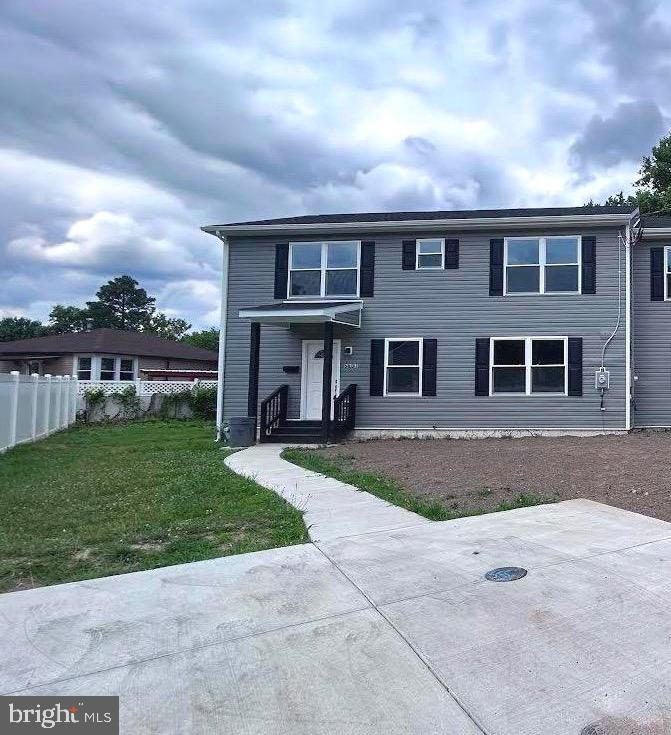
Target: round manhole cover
{"points": [[506, 574]]}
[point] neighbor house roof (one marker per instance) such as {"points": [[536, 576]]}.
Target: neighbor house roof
{"points": [[110, 341], [656, 220], [430, 219]]}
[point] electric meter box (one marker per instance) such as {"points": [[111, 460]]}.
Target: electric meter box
{"points": [[602, 379]]}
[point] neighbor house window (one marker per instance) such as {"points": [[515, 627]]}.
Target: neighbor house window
{"points": [[528, 365], [126, 368], [84, 368], [542, 265], [430, 254], [403, 367], [324, 268], [107, 371]]}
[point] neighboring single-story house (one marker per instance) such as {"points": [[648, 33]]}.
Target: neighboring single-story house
{"points": [[461, 323], [108, 354]]}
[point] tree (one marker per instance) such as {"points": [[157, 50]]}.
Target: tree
{"points": [[653, 187], [207, 339], [19, 327], [166, 327], [121, 305], [65, 319]]}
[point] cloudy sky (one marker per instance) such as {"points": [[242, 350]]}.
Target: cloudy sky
{"points": [[127, 124]]}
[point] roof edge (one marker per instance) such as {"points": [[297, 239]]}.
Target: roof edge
{"points": [[421, 224]]}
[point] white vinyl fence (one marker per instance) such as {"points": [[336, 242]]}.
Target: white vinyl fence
{"points": [[32, 407], [145, 387]]}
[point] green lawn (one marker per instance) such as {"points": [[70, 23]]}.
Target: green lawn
{"points": [[100, 500], [389, 489]]}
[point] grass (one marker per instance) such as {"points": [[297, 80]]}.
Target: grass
{"points": [[100, 500], [388, 489]]}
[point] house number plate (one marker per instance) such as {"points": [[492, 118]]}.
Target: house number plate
{"points": [[351, 365]]}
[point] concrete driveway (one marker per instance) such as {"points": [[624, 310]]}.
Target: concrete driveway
{"points": [[390, 630]]}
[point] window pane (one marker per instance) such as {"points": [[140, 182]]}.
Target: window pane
{"points": [[84, 374], [341, 255], [306, 255], [561, 250], [668, 284], [430, 246], [523, 252], [107, 363], [430, 261], [84, 363], [107, 375], [126, 376], [523, 280], [126, 364], [341, 283], [509, 380], [508, 352], [547, 380], [403, 353], [305, 283], [402, 380], [561, 278], [547, 352]]}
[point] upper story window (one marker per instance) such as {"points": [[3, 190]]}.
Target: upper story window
{"points": [[542, 265], [667, 273], [324, 268], [529, 365], [430, 254]]}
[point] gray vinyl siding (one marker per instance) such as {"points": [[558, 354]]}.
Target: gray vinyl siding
{"points": [[452, 306], [652, 344]]}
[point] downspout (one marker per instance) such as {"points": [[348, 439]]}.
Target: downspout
{"points": [[222, 334], [627, 329]]}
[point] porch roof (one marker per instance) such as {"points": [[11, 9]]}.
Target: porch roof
{"points": [[305, 312]]}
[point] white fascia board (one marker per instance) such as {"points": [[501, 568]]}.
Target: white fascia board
{"points": [[298, 314], [650, 233], [414, 225]]}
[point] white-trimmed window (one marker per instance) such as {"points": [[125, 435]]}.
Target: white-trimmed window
{"points": [[324, 268], [528, 365], [403, 366], [542, 265], [430, 253], [106, 367], [667, 273]]}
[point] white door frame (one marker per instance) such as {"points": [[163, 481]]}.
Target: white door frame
{"points": [[335, 378]]}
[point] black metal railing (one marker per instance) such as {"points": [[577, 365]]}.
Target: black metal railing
{"points": [[273, 412], [344, 411]]}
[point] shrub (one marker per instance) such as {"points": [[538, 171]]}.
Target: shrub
{"points": [[203, 402], [94, 398]]}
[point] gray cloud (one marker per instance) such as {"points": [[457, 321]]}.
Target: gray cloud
{"points": [[124, 127], [626, 135]]}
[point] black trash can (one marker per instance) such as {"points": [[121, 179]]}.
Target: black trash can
{"points": [[242, 431]]}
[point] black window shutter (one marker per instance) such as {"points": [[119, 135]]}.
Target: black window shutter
{"points": [[482, 366], [281, 269], [656, 274], [451, 253], [496, 267], [575, 366], [376, 367], [409, 255], [429, 359], [367, 275], [588, 265]]}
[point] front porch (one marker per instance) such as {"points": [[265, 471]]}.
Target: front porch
{"points": [[327, 412]]}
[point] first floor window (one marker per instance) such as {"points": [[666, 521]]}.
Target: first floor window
{"points": [[403, 367], [537, 265], [667, 273], [324, 268], [126, 371], [107, 368], [430, 254], [528, 365], [84, 368]]}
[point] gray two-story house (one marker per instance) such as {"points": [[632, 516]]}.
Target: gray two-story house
{"points": [[459, 323]]}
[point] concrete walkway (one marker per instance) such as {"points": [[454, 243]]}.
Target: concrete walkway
{"points": [[384, 625], [332, 509]]}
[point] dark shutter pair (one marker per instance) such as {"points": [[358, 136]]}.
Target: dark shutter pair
{"points": [[482, 347], [429, 362], [657, 274], [588, 255], [409, 254], [366, 271]]}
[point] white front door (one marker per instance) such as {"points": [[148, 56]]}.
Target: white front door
{"points": [[311, 377]]}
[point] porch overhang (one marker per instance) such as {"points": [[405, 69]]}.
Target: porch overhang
{"points": [[287, 313]]}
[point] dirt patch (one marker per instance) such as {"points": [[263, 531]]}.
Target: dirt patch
{"points": [[631, 471]]}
